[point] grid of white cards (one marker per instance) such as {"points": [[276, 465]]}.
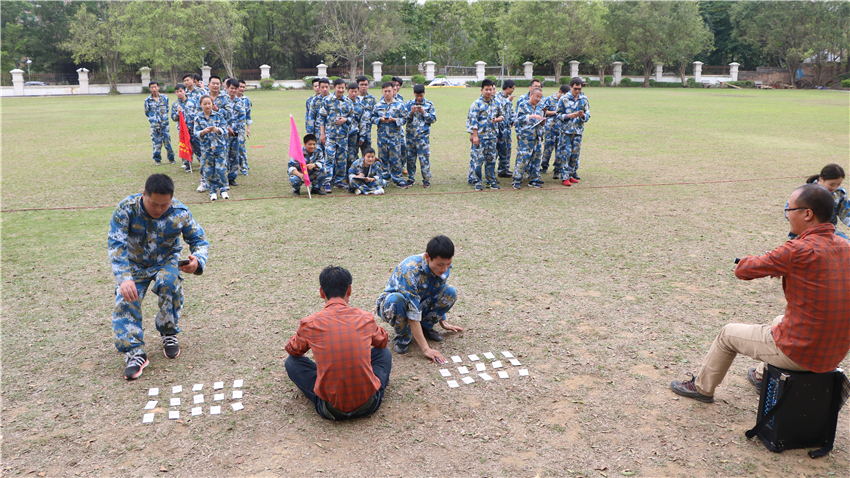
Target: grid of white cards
{"points": [[488, 366], [197, 400]]}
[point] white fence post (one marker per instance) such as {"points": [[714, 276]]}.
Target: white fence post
{"points": [[145, 71], [528, 70], [265, 72], [376, 71], [205, 74], [322, 70], [573, 68], [17, 81], [733, 70], [698, 71], [479, 70], [659, 70], [429, 70], [83, 75], [618, 72]]}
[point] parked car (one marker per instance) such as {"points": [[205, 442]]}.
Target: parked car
{"points": [[35, 83], [445, 82]]}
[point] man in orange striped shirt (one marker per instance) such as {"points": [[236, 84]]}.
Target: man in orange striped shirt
{"points": [[352, 366]]}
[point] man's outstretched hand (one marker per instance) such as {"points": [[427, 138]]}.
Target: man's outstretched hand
{"points": [[192, 266], [450, 327]]}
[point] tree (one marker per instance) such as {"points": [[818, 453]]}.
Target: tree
{"points": [[351, 29], [95, 36], [688, 35], [221, 28], [727, 46], [34, 30]]}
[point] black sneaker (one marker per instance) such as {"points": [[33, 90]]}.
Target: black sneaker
{"points": [[432, 334], [494, 186], [506, 174], [400, 349], [687, 388], [754, 379], [426, 184], [135, 363], [479, 187], [170, 347], [232, 182], [322, 192]]}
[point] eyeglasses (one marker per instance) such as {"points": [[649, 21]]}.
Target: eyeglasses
{"points": [[788, 209]]}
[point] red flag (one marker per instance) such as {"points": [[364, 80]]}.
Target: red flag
{"points": [[185, 149], [295, 151]]}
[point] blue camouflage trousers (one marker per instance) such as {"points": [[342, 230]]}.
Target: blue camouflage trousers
{"points": [[214, 170], [389, 150], [569, 148], [484, 154], [392, 307], [550, 144], [243, 154], [336, 155], [317, 179], [353, 139], [503, 149], [419, 149], [160, 137], [367, 187], [527, 161], [232, 163], [127, 316], [196, 148]]}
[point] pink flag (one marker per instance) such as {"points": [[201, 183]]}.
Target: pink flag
{"points": [[295, 151]]}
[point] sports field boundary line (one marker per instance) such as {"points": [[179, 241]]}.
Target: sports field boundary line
{"points": [[424, 193]]}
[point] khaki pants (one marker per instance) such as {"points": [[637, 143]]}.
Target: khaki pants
{"points": [[754, 341]]}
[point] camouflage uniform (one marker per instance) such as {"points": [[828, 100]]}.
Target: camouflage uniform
{"points": [[418, 138], [403, 150], [336, 136], [315, 106], [503, 133], [235, 117], [195, 94], [213, 150], [354, 133], [309, 116], [144, 249], [571, 130], [190, 109], [480, 117], [156, 110], [247, 105], [368, 102], [413, 292], [390, 138], [528, 138], [373, 171], [317, 176], [550, 134]]}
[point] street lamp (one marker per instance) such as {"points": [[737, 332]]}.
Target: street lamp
{"points": [[29, 62], [203, 56], [403, 57]]}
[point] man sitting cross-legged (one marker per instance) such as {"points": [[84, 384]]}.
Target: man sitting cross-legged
{"points": [[352, 366], [814, 332]]}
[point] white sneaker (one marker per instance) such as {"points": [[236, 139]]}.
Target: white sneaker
{"points": [[201, 188], [378, 191], [213, 197], [357, 191], [224, 195]]}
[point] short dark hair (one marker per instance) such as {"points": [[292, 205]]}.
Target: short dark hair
{"points": [[535, 80], [508, 84], [398, 80], [310, 137], [387, 84], [179, 86], [487, 82], [339, 81], [213, 77], [334, 281], [242, 82], [196, 77], [324, 80], [314, 80], [361, 78], [818, 199], [159, 184], [187, 75], [830, 171], [232, 82], [576, 81], [440, 246], [564, 89], [418, 89], [201, 99], [368, 150], [353, 86], [153, 83]]}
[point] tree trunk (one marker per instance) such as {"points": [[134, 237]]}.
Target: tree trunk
{"points": [[682, 68], [647, 70], [111, 63], [557, 64], [352, 68], [602, 76]]}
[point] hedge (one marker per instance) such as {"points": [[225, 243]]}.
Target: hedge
{"points": [[267, 83]]}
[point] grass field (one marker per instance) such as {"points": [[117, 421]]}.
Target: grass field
{"points": [[606, 291]]}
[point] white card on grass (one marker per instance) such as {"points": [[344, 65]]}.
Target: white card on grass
{"points": [[497, 364], [236, 406], [489, 355], [507, 354], [523, 372], [152, 392], [147, 418], [453, 383], [237, 394], [473, 357], [197, 387], [485, 376], [151, 405], [515, 362], [177, 389], [462, 370], [197, 411], [456, 359], [445, 372], [173, 414], [503, 374], [480, 367], [218, 396], [215, 410], [199, 398], [175, 402], [218, 385], [238, 383], [467, 380]]}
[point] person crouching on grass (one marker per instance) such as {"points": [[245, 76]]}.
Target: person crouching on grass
{"points": [[352, 367], [315, 159], [365, 175], [210, 129]]}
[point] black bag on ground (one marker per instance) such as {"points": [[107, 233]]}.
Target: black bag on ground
{"points": [[799, 409]]}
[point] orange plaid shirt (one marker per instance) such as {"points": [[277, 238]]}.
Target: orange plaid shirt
{"points": [[342, 338], [815, 271]]}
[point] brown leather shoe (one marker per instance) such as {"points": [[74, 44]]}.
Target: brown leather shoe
{"points": [[687, 388]]}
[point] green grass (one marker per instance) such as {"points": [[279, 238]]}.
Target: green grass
{"points": [[588, 285]]}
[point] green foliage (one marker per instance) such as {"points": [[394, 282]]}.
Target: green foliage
{"points": [[418, 79], [267, 83], [592, 83], [628, 82], [549, 83], [386, 79], [845, 83], [742, 84], [492, 78], [692, 83], [664, 84], [308, 81], [609, 80]]}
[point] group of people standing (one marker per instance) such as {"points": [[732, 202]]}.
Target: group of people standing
{"points": [[218, 122]]}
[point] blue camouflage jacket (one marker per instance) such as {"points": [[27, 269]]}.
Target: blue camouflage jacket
{"points": [[156, 110], [568, 105], [393, 110], [358, 167], [139, 246], [550, 103], [481, 116], [419, 124], [216, 141], [413, 279], [333, 108], [317, 158], [190, 110], [508, 110], [247, 105], [525, 125]]}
